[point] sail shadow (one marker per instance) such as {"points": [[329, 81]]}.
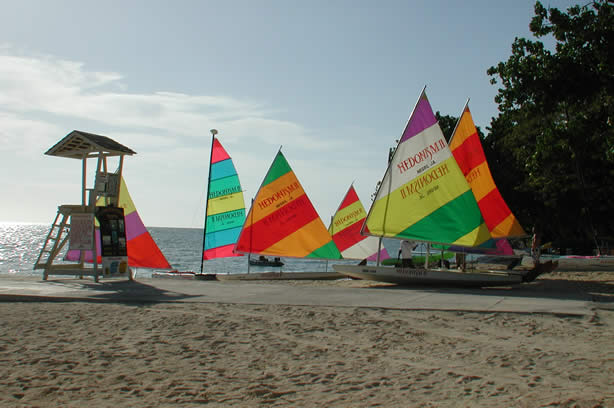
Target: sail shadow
{"points": [[111, 291]]}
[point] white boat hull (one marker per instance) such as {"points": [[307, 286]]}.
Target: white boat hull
{"points": [[173, 275], [280, 276], [429, 276]]}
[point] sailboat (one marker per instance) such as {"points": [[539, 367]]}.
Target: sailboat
{"points": [[469, 154], [143, 252], [466, 147], [225, 209], [345, 229], [282, 222], [424, 196]]}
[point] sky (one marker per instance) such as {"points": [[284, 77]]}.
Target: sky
{"points": [[330, 82]]}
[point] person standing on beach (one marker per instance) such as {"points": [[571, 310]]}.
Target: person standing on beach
{"points": [[536, 242], [406, 253]]}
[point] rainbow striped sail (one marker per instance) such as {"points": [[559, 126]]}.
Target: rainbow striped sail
{"points": [[467, 150], [282, 221], [424, 195], [345, 230], [143, 252], [225, 206]]}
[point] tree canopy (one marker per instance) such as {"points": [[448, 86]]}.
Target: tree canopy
{"points": [[551, 148]]}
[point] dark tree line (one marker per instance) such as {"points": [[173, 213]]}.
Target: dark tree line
{"points": [[551, 149]]}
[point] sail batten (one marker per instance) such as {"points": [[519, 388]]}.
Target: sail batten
{"points": [[282, 221]]}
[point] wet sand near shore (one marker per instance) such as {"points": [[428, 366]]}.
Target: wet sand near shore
{"points": [[77, 354]]}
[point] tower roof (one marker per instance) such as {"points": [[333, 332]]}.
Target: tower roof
{"points": [[78, 145]]}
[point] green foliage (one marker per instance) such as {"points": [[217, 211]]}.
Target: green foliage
{"points": [[447, 124], [554, 132]]}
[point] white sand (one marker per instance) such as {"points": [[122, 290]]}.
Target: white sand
{"points": [[80, 354]]}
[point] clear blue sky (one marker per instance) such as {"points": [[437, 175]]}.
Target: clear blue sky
{"points": [[332, 81]]}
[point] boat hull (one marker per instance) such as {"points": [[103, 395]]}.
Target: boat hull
{"points": [[275, 264], [173, 275], [421, 276], [281, 276]]}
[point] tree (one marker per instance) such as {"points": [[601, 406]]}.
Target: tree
{"points": [[555, 122]]}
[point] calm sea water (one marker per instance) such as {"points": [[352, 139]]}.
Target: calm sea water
{"points": [[20, 245]]}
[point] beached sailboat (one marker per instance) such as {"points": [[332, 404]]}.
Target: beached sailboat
{"points": [[143, 252], [345, 229], [225, 209], [469, 154], [282, 222], [424, 196], [466, 147]]}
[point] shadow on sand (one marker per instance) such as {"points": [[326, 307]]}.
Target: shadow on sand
{"points": [[572, 289], [115, 291]]}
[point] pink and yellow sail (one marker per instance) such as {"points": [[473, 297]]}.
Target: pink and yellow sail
{"points": [[143, 252], [423, 195], [282, 221], [467, 150], [345, 229]]}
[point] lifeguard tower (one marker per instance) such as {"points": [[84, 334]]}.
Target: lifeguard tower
{"points": [[75, 223]]}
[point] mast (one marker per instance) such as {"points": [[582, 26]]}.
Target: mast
{"points": [[251, 232], [458, 122], [202, 255]]}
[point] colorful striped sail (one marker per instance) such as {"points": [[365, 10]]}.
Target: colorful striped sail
{"points": [[424, 195], [143, 252], [345, 229], [282, 221], [225, 206], [467, 150]]}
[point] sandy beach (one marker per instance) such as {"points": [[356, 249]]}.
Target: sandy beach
{"points": [[111, 354]]}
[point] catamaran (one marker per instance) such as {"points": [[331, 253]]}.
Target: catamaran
{"points": [[424, 196]]}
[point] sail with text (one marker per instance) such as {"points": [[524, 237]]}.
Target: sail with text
{"points": [[225, 213], [345, 230], [143, 252], [467, 150], [423, 195], [282, 221]]}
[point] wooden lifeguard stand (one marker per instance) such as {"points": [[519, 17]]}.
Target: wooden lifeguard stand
{"points": [[74, 223]]}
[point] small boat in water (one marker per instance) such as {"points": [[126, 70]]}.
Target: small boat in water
{"points": [[263, 261], [283, 222]]}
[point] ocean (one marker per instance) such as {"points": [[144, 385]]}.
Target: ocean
{"points": [[20, 245]]}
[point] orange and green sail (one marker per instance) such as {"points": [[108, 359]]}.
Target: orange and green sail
{"points": [[143, 252], [282, 221], [345, 229], [467, 150], [423, 195]]}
